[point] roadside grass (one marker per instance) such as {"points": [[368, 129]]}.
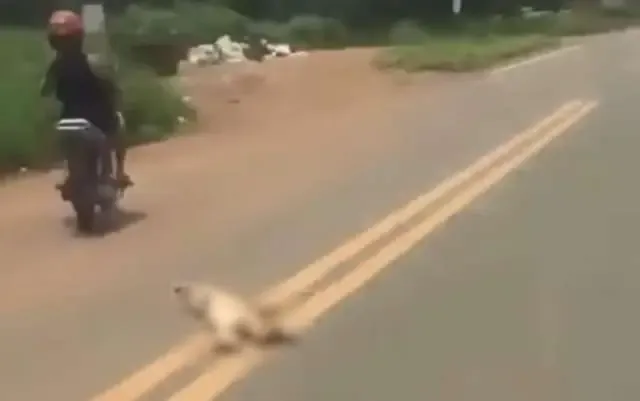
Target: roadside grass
{"points": [[461, 53]]}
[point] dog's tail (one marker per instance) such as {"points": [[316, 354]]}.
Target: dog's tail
{"points": [[272, 309]]}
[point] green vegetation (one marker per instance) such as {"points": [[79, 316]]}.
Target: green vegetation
{"points": [[27, 139], [152, 107], [417, 35]]}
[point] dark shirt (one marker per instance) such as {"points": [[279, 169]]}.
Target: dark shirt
{"points": [[82, 93]]}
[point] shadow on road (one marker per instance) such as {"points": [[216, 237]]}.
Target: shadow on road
{"points": [[115, 222]]}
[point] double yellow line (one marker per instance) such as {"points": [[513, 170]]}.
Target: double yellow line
{"points": [[422, 216]]}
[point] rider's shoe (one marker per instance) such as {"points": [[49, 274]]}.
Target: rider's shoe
{"points": [[63, 187], [124, 180]]}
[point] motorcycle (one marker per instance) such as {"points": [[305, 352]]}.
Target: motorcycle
{"points": [[90, 186]]}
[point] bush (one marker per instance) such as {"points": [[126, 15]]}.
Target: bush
{"points": [[154, 37], [564, 23], [151, 106], [498, 25], [407, 32], [187, 24], [144, 25], [522, 25], [585, 22], [26, 122], [160, 38], [208, 22], [274, 32], [317, 32], [307, 31]]}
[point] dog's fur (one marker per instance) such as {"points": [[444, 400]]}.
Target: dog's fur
{"points": [[232, 318]]}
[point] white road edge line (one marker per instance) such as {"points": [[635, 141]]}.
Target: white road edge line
{"points": [[534, 59]]}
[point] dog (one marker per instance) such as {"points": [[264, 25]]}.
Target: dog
{"points": [[232, 318]]}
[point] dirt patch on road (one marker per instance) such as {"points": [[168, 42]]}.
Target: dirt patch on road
{"points": [[288, 90]]}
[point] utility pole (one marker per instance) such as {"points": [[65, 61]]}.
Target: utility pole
{"points": [[456, 6], [96, 43], [93, 17]]}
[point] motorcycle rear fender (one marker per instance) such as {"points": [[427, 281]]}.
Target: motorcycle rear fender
{"points": [[80, 129]]}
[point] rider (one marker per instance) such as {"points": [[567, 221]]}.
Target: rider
{"points": [[82, 92]]}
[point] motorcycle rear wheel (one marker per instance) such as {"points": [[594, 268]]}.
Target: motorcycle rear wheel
{"points": [[85, 211]]}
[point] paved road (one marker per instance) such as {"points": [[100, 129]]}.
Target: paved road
{"points": [[526, 293]]}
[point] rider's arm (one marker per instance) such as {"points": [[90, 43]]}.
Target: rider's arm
{"points": [[115, 93], [48, 83], [118, 102]]}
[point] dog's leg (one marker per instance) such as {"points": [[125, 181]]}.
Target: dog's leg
{"points": [[272, 331], [227, 338], [277, 333]]}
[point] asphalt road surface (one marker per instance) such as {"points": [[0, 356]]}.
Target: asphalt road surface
{"points": [[507, 270]]}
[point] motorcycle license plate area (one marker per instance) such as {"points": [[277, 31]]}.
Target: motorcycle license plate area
{"points": [[107, 193]]}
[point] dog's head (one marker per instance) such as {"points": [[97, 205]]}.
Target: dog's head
{"points": [[186, 291], [179, 289], [191, 296]]}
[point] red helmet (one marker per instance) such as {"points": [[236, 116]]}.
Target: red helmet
{"points": [[65, 23]]}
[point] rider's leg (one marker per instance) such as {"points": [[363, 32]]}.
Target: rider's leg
{"points": [[120, 150], [103, 148], [106, 157]]}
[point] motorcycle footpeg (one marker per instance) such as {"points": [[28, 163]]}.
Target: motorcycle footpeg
{"points": [[64, 191]]}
